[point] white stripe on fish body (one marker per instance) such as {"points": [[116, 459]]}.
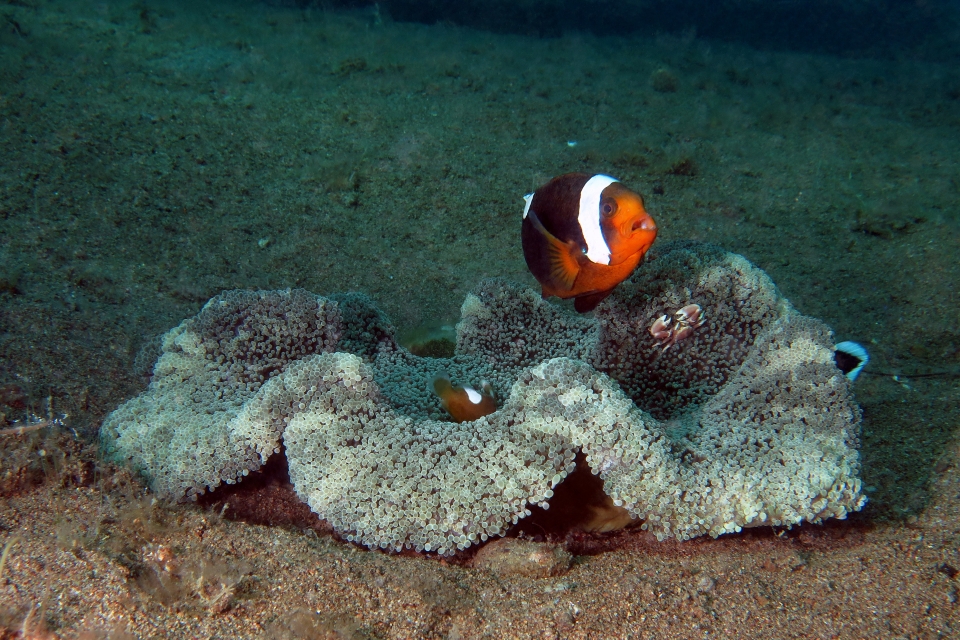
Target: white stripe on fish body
{"points": [[597, 250], [473, 395]]}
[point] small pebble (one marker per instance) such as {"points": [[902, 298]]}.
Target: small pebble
{"points": [[514, 557]]}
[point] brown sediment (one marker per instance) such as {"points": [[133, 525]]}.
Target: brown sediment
{"points": [[828, 579]]}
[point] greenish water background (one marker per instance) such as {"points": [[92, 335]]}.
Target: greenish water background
{"points": [[154, 154]]}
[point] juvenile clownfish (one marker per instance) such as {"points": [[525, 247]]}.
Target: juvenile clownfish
{"points": [[583, 235], [851, 358], [465, 404]]}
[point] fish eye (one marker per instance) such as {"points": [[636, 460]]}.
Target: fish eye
{"points": [[608, 208]]}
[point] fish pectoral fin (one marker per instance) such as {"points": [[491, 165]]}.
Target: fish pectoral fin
{"points": [[590, 301], [562, 256]]}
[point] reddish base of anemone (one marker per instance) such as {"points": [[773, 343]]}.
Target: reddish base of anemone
{"points": [[266, 497]]}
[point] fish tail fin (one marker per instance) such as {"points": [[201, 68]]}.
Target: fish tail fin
{"points": [[487, 389]]}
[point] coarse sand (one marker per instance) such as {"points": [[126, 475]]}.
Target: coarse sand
{"points": [[155, 154]]}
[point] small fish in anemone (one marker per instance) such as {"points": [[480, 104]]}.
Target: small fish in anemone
{"points": [[851, 358], [465, 404], [583, 235]]}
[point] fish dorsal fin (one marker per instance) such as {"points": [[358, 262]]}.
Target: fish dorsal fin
{"points": [[564, 267]]}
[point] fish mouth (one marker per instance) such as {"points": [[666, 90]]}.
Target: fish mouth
{"points": [[643, 224]]}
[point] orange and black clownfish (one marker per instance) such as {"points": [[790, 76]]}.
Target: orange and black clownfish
{"points": [[464, 403], [583, 235]]}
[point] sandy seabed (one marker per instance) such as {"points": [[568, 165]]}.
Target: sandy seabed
{"points": [[155, 155]]}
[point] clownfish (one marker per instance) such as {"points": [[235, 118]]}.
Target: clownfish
{"points": [[465, 404], [583, 235]]}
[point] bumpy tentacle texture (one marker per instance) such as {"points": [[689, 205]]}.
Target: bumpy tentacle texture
{"points": [[746, 423]]}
